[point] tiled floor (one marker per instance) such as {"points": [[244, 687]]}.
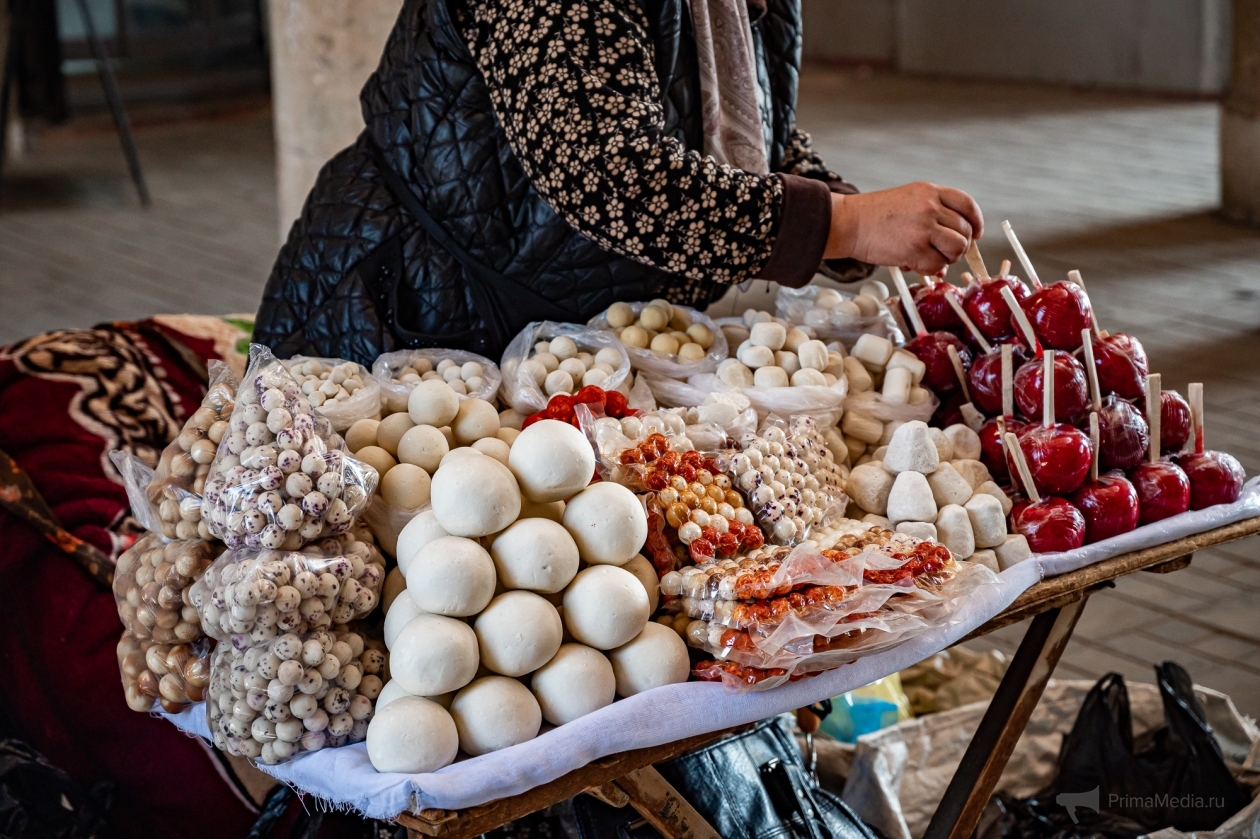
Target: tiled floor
{"points": [[1122, 188]]}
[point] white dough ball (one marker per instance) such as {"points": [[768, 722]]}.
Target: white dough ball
{"points": [[451, 576], [657, 656], [605, 606], [401, 612], [577, 681], [422, 529], [475, 419], [518, 633], [494, 447], [412, 735], [552, 460], [433, 654], [423, 446], [643, 571], [392, 690], [475, 495], [395, 584], [433, 403], [607, 522], [537, 554], [553, 510], [406, 487], [493, 713]]}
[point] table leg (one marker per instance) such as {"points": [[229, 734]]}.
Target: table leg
{"points": [[662, 807], [1003, 723]]}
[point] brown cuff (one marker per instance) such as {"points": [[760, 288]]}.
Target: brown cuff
{"points": [[803, 231]]}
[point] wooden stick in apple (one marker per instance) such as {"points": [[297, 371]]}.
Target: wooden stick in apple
{"points": [[1021, 254], [1008, 381], [1021, 320], [1154, 410], [975, 262], [1091, 371], [1021, 466], [1194, 394], [1094, 438], [957, 306], [899, 280], [1005, 268], [1047, 390], [1075, 277]]}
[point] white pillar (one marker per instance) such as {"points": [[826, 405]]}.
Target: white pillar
{"points": [[322, 51], [1240, 119]]}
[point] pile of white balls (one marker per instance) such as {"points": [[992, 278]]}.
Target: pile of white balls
{"points": [[770, 352], [560, 366], [661, 327], [327, 384], [489, 582]]}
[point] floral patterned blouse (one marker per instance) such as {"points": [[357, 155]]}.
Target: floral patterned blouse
{"points": [[573, 84]]}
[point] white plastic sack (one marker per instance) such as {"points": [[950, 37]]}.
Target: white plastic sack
{"points": [[899, 774], [824, 404], [672, 367], [394, 394], [364, 403], [519, 388], [797, 305]]}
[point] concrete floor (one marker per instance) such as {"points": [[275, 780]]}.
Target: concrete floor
{"points": [[1121, 187]]}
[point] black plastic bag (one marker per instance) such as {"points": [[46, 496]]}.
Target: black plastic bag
{"points": [[40, 801], [1110, 786]]}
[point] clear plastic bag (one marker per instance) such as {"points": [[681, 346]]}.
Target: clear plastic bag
{"points": [[823, 403], [151, 587], [388, 367], [173, 676], [136, 478], [387, 521], [363, 403], [281, 476], [247, 598], [672, 366], [297, 693], [872, 405], [797, 305], [522, 392]]}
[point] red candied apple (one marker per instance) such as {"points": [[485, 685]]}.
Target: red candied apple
{"points": [[1110, 506], [1049, 525], [1058, 456], [932, 350], [1071, 391], [1215, 478], [992, 452], [1058, 313], [1125, 435], [985, 379], [1163, 490], [949, 412], [1174, 425], [1117, 371], [1130, 346], [984, 304], [934, 308]]}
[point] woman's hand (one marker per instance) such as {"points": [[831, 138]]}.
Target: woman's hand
{"points": [[918, 227]]}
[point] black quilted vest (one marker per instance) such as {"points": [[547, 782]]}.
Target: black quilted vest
{"points": [[426, 232]]}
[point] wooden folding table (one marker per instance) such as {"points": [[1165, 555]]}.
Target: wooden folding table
{"points": [[1054, 605]]}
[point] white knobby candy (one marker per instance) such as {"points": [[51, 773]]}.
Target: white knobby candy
{"points": [[911, 499], [1014, 549], [990, 488], [869, 485], [988, 522], [788, 361], [906, 360], [986, 558], [755, 357], [948, 487], [925, 530], [975, 472], [944, 448], [889, 430], [866, 429], [873, 351], [897, 384], [877, 521], [860, 379], [768, 334], [808, 378], [911, 450], [770, 377], [966, 442], [953, 529]]}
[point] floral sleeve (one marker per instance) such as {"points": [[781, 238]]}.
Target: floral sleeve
{"points": [[574, 86]]}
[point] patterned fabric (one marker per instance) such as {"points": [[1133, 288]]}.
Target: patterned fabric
{"points": [[573, 83], [730, 92]]}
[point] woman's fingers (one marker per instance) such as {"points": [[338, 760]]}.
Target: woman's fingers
{"points": [[949, 243], [954, 221], [966, 206]]}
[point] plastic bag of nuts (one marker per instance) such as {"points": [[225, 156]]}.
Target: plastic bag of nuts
{"points": [[172, 675], [151, 587], [296, 693], [179, 480], [247, 598], [672, 341], [281, 476], [343, 391], [525, 386], [399, 372]]}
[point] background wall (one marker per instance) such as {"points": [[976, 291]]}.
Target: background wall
{"points": [[1177, 46]]}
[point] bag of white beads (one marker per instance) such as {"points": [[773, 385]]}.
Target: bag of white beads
{"points": [[179, 480], [173, 676], [665, 339], [151, 587], [399, 372], [281, 476], [343, 391], [247, 598], [837, 316], [545, 359], [296, 693]]}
